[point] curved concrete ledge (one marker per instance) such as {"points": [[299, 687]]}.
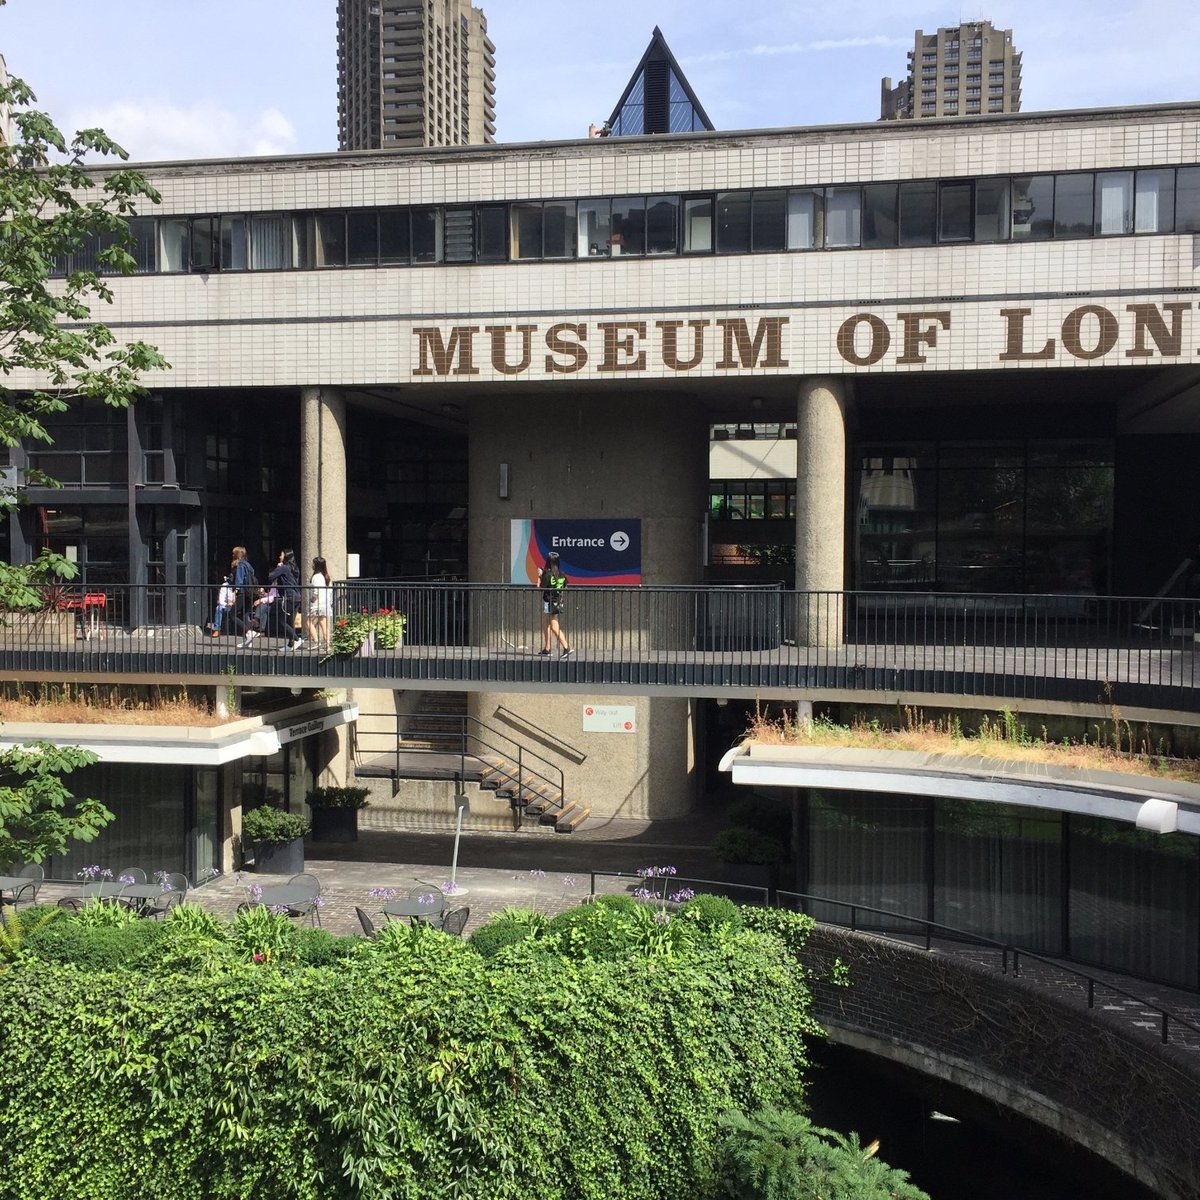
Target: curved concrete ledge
{"points": [[1046, 1056], [1107, 794]]}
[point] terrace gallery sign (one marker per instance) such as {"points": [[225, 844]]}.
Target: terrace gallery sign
{"points": [[1133, 332]]}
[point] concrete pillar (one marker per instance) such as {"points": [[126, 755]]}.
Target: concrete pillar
{"points": [[820, 509], [323, 479], [323, 527]]}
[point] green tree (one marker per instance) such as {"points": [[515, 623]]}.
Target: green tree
{"points": [[38, 815], [776, 1154], [51, 204]]}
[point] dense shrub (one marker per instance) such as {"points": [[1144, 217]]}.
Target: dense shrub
{"points": [[617, 901], [712, 912], [489, 940], [319, 948], [791, 928], [416, 1068], [92, 947]]}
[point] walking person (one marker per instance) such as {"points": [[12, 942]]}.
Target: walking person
{"points": [[320, 604], [553, 583], [225, 601], [285, 613], [245, 591]]}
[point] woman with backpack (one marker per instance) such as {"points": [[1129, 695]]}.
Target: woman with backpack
{"points": [[284, 613], [553, 582], [245, 591]]}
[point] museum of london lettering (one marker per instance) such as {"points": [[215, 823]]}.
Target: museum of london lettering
{"points": [[1136, 332]]}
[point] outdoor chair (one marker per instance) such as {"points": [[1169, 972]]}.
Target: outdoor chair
{"points": [[162, 904], [72, 903], [175, 881], [27, 893], [309, 908], [455, 921], [368, 926]]}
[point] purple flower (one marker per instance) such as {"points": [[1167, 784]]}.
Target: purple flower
{"points": [[537, 873], [427, 901], [125, 879], [256, 892], [382, 893], [449, 887], [644, 894], [568, 881], [683, 895], [280, 910]]}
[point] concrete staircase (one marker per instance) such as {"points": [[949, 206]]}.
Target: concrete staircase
{"points": [[432, 740]]}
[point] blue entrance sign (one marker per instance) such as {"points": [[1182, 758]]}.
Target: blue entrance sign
{"points": [[595, 552]]}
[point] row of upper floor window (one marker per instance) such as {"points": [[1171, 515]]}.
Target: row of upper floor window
{"points": [[766, 220]]}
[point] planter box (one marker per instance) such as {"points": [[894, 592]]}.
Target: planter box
{"points": [[279, 858], [335, 824], [21, 629]]}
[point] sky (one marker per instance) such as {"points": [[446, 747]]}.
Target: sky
{"points": [[176, 79]]}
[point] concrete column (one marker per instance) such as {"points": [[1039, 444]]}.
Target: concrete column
{"points": [[820, 509], [323, 527], [323, 479]]}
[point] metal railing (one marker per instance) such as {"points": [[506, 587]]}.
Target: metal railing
{"points": [[468, 738], [1009, 952], [663, 886], [1134, 651]]}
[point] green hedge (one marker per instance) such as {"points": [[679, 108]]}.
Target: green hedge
{"points": [[414, 1068]]}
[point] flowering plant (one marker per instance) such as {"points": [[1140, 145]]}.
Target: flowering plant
{"points": [[349, 632]]}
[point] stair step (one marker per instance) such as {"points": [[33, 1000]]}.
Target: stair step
{"points": [[573, 821], [552, 816]]}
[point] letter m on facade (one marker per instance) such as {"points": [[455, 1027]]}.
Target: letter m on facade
{"points": [[739, 349], [446, 356]]}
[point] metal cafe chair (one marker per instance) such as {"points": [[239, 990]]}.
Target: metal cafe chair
{"points": [[455, 921], [368, 926], [306, 908]]}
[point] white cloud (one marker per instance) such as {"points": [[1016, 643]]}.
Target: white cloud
{"points": [[156, 131]]}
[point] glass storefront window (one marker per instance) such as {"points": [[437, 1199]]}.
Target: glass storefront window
{"points": [[918, 214], [362, 239], [1074, 205], [955, 209], [629, 225], [662, 225], [843, 216], [1114, 202], [698, 225], [768, 222], [595, 228], [993, 210], [733, 223], [1154, 201], [1187, 200], [879, 215], [395, 245], [804, 209], [1032, 207]]}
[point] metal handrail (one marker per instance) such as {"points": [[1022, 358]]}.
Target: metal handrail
{"points": [[465, 736], [1006, 948], [572, 752], [678, 881]]}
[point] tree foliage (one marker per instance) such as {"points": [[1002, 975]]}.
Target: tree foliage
{"points": [[38, 814], [414, 1067], [51, 204], [777, 1154]]}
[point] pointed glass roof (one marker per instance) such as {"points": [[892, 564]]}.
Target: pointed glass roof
{"points": [[658, 98]]}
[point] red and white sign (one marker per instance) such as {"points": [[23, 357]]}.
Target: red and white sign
{"points": [[609, 718]]}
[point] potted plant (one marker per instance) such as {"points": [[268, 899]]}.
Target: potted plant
{"points": [[365, 632], [335, 812], [278, 839]]}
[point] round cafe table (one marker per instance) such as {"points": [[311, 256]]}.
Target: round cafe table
{"points": [[413, 906], [287, 895], [113, 889]]}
